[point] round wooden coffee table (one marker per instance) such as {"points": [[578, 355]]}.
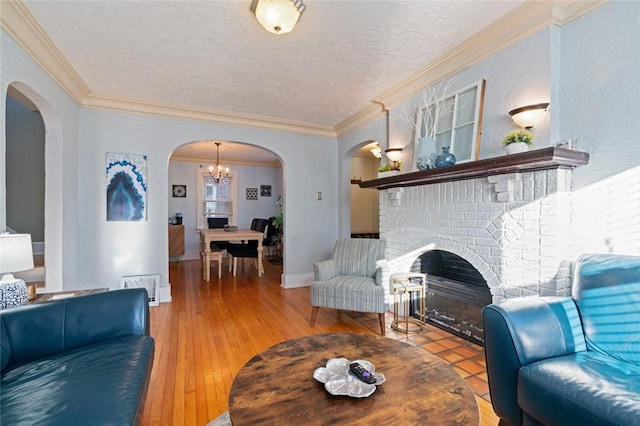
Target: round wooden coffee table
{"points": [[277, 385]]}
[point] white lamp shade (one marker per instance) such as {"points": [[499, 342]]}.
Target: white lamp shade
{"points": [[394, 154], [529, 116], [15, 253], [278, 16]]}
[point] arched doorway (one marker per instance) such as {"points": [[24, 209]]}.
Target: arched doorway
{"points": [[364, 201], [25, 168], [257, 180], [45, 221]]}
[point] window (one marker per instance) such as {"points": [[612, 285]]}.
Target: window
{"points": [[214, 199], [453, 121]]}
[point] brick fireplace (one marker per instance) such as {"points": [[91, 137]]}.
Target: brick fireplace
{"points": [[509, 217]]}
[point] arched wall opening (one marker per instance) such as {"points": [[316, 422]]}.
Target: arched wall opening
{"points": [[53, 197], [257, 182], [364, 202]]}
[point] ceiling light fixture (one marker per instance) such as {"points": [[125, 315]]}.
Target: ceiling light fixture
{"points": [[218, 172], [278, 16], [530, 115]]}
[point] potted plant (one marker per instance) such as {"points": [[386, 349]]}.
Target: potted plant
{"points": [[277, 223], [518, 141], [389, 169]]}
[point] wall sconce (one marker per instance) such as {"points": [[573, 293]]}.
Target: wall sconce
{"points": [[278, 16], [394, 154], [530, 115], [377, 152]]}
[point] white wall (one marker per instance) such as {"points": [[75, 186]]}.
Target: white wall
{"points": [[132, 248], [600, 107], [243, 176]]}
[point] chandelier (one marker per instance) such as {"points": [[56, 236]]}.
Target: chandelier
{"points": [[218, 172], [278, 16]]}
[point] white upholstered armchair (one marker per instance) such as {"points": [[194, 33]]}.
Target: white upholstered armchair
{"points": [[352, 279]]}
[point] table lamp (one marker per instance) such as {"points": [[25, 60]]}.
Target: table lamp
{"points": [[15, 255]]}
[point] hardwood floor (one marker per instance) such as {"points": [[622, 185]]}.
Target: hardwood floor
{"points": [[211, 329]]}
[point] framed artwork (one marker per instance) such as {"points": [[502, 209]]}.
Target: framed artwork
{"points": [[180, 191], [265, 190], [126, 187], [252, 193]]}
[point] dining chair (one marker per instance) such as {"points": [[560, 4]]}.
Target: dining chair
{"points": [[248, 249], [217, 223]]}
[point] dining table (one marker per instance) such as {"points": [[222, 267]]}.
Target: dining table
{"points": [[207, 236]]}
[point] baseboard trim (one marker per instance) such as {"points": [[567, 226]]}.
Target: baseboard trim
{"points": [[296, 280], [165, 294], [191, 255]]}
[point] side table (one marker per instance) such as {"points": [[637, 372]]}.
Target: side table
{"points": [[404, 286], [46, 297]]}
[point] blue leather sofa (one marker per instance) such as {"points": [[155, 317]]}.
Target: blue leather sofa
{"points": [[85, 360], [569, 360]]}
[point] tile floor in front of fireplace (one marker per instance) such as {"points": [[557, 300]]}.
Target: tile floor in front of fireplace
{"points": [[466, 358]]}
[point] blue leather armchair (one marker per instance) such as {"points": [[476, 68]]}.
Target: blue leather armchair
{"points": [[569, 360], [85, 360]]}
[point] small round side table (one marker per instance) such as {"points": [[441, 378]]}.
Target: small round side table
{"points": [[404, 286]]}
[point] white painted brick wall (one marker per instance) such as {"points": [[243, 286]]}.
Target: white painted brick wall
{"points": [[513, 228]]}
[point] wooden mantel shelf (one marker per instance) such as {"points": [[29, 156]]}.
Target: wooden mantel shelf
{"points": [[539, 159]]}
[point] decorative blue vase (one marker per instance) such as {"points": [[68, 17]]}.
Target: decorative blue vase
{"points": [[446, 158]]}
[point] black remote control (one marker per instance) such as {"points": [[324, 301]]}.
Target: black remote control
{"points": [[361, 373]]}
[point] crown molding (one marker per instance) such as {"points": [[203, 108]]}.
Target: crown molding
{"points": [[517, 25], [207, 115], [359, 119], [525, 20], [567, 11], [20, 24]]}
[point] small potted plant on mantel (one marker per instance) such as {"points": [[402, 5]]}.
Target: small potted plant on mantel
{"points": [[389, 169], [518, 141]]}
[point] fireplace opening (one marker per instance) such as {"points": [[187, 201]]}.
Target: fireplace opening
{"points": [[456, 294]]}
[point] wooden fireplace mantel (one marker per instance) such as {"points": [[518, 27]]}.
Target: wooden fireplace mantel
{"points": [[539, 159]]}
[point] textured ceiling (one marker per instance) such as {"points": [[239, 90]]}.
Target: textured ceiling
{"points": [[214, 55]]}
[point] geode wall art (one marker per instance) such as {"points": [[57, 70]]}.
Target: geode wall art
{"points": [[126, 187]]}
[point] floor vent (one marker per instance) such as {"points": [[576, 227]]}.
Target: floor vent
{"points": [[150, 282]]}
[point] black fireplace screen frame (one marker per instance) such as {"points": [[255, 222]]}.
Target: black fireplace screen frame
{"points": [[456, 294]]}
